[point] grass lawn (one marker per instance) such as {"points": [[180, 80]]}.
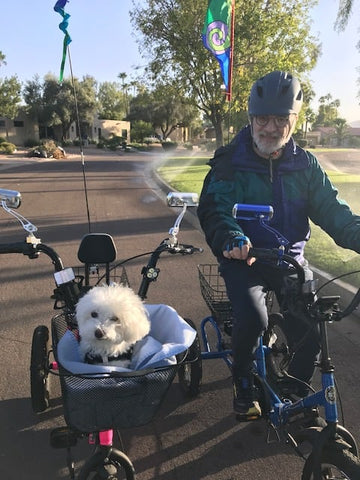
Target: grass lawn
{"points": [[187, 174]]}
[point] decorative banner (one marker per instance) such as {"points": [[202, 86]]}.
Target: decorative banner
{"points": [[59, 8], [217, 36]]}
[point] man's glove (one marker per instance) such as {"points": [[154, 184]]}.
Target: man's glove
{"points": [[235, 241]]}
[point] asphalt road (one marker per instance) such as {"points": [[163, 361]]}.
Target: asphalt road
{"points": [[197, 439]]}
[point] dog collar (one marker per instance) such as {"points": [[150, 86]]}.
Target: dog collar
{"points": [[95, 358]]}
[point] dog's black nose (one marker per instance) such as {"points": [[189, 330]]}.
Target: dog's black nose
{"points": [[99, 333]]}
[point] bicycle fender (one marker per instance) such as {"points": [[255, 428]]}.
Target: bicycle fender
{"points": [[311, 435]]}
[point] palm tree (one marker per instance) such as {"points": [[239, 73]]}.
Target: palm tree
{"points": [[344, 12]]}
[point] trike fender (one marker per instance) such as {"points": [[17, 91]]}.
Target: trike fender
{"points": [[311, 435]]}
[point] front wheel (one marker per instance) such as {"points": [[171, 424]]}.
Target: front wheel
{"points": [[113, 466], [39, 371], [190, 371], [337, 463]]}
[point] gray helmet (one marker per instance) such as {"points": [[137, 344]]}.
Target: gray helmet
{"points": [[277, 93]]}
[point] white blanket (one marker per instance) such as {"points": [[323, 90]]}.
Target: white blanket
{"points": [[169, 336]]}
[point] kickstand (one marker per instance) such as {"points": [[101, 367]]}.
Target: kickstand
{"points": [[272, 430], [70, 463]]}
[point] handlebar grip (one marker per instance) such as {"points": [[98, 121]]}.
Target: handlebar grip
{"points": [[18, 247], [277, 255]]}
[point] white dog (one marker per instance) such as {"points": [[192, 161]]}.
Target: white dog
{"points": [[111, 319]]}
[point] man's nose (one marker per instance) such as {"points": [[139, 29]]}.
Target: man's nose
{"points": [[271, 125]]}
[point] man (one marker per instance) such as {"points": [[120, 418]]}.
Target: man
{"points": [[262, 165]]}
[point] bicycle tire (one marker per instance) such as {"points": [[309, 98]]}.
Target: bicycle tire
{"points": [[190, 372], [335, 458], [116, 458], [278, 356], [39, 375]]}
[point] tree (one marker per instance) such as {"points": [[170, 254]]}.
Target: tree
{"points": [[10, 98], [2, 58], [341, 130], [112, 104], [140, 130], [55, 104], [164, 108], [328, 111], [344, 13], [269, 35]]}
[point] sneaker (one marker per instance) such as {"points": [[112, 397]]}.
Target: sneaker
{"points": [[245, 405]]}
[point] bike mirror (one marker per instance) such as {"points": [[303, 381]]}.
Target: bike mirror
{"points": [[179, 199], [244, 211], [12, 198]]}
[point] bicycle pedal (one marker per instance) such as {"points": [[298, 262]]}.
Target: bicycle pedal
{"points": [[246, 418], [63, 437]]}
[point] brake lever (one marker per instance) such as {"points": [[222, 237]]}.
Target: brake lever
{"points": [[27, 226]]}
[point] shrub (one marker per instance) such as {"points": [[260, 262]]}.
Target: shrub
{"points": [[169, 145], [31, 142], [302, 142], [188, 146], [114, 142], [47, 149], [2, 139], [7, 148]]}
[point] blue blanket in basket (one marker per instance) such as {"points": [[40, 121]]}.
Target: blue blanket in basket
{"points": [[169, 336]]}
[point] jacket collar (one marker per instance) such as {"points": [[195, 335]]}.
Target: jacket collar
{"points": [[244, 156]]}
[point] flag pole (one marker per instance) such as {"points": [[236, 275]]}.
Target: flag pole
{"points": [[231, 63]]}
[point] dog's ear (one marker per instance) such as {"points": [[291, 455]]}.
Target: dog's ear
{"points": [[140, 323]]}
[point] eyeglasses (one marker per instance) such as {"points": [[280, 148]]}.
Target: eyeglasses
{"points": [[280, 120]]}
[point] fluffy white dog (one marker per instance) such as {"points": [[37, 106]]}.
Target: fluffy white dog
{"points": [[111, 319]]}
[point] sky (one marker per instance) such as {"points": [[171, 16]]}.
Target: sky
{"points": [[103, 45]]}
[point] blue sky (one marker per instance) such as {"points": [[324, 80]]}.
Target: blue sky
{"points": [[103, 45]]}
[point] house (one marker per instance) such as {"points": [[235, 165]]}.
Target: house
{"points": [[23, 128], [19, 130], [102, 129], [327, 136]]}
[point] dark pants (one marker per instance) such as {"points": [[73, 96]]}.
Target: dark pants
{"points": [[246, 288]]}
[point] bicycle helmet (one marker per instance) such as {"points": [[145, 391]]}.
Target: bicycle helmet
{"points": [[277, 93]]}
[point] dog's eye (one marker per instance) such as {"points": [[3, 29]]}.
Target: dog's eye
{"points": [[114, 318], [94, 314]]}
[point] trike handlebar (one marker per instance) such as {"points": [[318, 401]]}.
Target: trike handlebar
{"points": [[326, 307]]}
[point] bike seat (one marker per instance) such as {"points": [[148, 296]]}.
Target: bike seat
{"points": [[97, 248]]}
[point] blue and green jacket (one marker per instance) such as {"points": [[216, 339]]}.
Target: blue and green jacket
{"points": [[295, 185]]}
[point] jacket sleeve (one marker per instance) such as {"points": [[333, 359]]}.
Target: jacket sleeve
{"points": [[216, 203], [331, 213]]}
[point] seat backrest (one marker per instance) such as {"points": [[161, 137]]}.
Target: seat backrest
{"points": [[97, 248]]}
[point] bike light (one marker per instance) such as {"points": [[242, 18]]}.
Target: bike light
{"points": [[244, 211]]}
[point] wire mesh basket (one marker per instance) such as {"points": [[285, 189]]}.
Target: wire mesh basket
{"points": [[111, 400], [213, 290], [87, 277], [96, 275]]}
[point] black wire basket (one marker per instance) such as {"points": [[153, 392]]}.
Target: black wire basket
{"points": [[111, 400], [213, 290], [96, 275]]}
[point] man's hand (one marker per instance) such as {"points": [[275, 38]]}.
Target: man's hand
{"points": [[237, 248]]}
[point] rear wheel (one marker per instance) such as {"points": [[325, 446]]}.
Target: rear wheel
{"points": [[278, 357], [190, 371], [337, 463], [39, 371], [113, 466]]}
